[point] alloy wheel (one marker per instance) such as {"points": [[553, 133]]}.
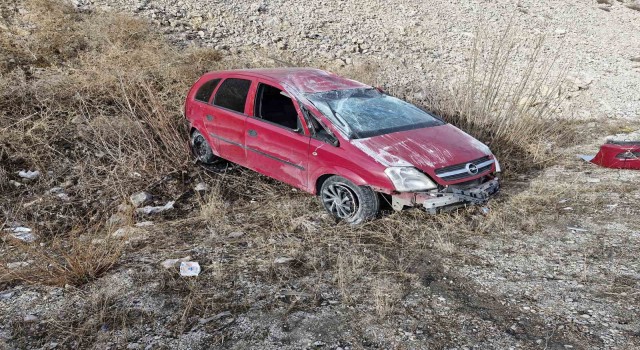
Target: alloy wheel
{"points": [[340, 200], [200, 147]]}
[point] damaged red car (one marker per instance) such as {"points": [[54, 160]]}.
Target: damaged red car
{"points": [[347, 142]]}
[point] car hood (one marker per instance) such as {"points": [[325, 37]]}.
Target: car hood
{"points": [[427, 148]]}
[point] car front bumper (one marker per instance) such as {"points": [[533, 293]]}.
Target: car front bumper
{"points": [[451, 197]]}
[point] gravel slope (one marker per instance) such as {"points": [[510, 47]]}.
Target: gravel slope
{"points": [[600, 42]]}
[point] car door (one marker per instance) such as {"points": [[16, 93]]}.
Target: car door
{"points": [[228, 117], [201, 110], [277, 143]]}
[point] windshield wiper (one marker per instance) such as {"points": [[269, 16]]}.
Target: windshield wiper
{"points": [[335, 116]]}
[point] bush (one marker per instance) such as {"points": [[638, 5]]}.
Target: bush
{"points": [[91, 99], [514, 109]]}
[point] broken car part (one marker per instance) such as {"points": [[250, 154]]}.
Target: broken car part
{"points": [[617, 155]]}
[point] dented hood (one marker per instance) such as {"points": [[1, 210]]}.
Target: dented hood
{"points": [[426, 148]]}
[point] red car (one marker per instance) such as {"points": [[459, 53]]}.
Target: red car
{"points": [[347, 142]]}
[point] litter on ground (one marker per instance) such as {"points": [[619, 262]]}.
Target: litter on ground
{"points": [[617, 153], [153, 210], [28, 174], [189, 268]]}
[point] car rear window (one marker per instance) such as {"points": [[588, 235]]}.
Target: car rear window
{"points": [[204, 92], [232, 94]]}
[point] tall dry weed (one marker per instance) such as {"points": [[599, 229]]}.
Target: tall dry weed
{"points": [[515, 108]]}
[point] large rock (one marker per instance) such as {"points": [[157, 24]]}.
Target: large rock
{"points": [[139, 198]]}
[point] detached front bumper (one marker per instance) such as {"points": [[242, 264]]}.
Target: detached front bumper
{"points": [[450, 198]]}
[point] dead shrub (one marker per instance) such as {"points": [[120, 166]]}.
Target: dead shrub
{"points": [[75, 261], [515, 110], [213, 209], [104, 108], [386, 293]]}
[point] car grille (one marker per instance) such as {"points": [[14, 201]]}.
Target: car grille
{"points": [[459, 171]]}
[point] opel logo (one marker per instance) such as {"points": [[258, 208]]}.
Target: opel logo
{"points": [[472, 168]]}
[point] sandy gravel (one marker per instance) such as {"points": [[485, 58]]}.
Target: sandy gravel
{"points": [[599, 40]]}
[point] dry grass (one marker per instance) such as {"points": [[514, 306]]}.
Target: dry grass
{"points": [[386, 293], [513, 109], [96, 99], [93, 101], [103, 112], [69, 261], [107, 81]]}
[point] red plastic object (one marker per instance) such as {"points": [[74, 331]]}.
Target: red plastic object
{"points": [[619, 155]]}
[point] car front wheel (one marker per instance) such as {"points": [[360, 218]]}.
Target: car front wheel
{"points": [[201, 149], [347, 201]]}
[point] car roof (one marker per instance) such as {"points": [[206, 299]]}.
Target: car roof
{"points": [[303, 80]]}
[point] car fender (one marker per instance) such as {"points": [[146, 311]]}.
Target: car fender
{"points": [[343, 172], [199, 125]]}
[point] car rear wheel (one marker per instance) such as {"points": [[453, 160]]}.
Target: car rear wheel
{"points": [[347, 201], [201, 149]]}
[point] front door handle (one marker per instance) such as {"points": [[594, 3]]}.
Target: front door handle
{"points": [[252, 133], [209, 117]]}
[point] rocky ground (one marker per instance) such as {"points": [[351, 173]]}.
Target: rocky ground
{"points": [[599, 39], [552, 266]]}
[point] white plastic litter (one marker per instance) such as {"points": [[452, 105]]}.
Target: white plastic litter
{"points": [[153, 210], [17, 265], [28, 174], [20, 229], [586, 157], [24, 236], [144, 223], [22, 233], [283, 260], [189, 268]]}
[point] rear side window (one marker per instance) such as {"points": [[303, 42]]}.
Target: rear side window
{"points": [[232, 94], [204, 92]]}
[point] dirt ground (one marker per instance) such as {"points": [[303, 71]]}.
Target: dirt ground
{"points": [[520, 277], [553, 265]]}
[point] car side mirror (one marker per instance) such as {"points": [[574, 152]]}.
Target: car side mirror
{"points": [[324, 137]]}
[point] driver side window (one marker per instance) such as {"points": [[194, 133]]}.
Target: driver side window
{"points": [[275, 106]]}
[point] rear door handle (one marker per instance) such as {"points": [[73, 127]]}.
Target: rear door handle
{"points": [[209, 117], [252, 133]]}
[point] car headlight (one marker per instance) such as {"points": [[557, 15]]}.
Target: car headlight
{"points": [[408, 179], [498, 169]]}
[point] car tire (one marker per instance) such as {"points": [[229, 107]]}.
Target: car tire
{"points": [[348, 202], [201, 148]]}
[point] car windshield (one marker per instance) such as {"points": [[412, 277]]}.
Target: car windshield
{"points": [[367, 112]]}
